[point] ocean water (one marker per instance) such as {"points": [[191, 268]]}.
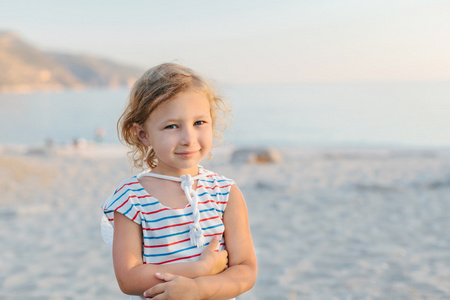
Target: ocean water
{"points": [[309, 115]]}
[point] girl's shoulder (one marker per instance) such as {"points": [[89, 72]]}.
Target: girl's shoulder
{"points": [[126, 199], [213, 177], [128, 187]]}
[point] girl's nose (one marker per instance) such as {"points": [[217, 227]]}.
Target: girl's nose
{"points": [[188, 135]]}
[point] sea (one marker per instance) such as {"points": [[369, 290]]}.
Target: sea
{"points": [[400, 114]]}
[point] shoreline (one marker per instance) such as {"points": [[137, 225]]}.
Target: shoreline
{"points": [[83, 146]]}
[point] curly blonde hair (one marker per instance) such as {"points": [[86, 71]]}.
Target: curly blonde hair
{"points": [[156, 86]]}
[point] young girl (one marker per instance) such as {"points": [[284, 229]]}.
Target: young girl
{"points": [[173, 223]]}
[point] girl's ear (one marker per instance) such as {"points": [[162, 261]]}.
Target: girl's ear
{"points": [[141, 134]]}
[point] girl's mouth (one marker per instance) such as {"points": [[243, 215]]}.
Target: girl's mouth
{"points": [[186, 154]]}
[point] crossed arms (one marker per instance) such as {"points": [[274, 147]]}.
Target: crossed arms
{"points": [[207, 278]]}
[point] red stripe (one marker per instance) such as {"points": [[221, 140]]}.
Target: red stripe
{"points": [[181, 258], [132, 196], [157, 246], [168, 226], [182, 241], [214, 234], [204, 202], [215, 217], [124, 202], [125, 185], [164, 209], [135, 215], [179, 224], [157, 211], [216, 186]]}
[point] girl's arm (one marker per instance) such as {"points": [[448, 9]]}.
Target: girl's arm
{"points": [[134, 277], [235, 280]]}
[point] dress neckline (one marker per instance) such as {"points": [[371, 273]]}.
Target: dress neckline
{"points": [[187, 181]]}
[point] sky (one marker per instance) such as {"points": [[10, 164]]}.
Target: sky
{"points": [[250, 42]]}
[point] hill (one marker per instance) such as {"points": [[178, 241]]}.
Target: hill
{"points": [[25, 68]]}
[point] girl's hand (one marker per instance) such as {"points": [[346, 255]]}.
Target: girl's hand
{"points": [[174, 287], [213, 261]]}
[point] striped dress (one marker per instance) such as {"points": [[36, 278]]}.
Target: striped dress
{"points": [[165, 230]]}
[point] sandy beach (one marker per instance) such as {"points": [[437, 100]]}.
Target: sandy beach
{"points": [[326, 223]]}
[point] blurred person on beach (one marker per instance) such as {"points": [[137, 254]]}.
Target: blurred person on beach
{"points": [[100, 133], [178, 231]]}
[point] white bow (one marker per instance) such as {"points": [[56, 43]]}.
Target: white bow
{"points": [[187, 182]]}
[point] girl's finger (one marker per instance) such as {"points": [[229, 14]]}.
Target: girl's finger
{"points": [[214, 242], [160, 297], [155, 290], [224, 253], [165, 276]]}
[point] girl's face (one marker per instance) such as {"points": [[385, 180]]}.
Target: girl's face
{"points": [[180, 132]]}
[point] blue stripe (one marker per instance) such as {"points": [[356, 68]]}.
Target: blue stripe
{"points": [[218, 225], [125, 213], [111, 211], [136, 190], [177, 216], [212, 181], [147, 204], [169, 253], [134, 177], [164, 236], [150, 221], [165, 218], [133, 204], [213, 195]]}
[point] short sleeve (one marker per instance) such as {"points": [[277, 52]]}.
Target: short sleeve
{"points": [[218, 187], [125, 201], [223, 194]]}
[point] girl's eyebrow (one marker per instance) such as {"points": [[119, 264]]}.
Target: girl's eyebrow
{"points": [[203, 116], [171, 120]]}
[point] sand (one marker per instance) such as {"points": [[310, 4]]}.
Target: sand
{"points": [[326, 223]]}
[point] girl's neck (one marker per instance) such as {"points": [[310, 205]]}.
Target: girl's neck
{"points": [[175, 172]]}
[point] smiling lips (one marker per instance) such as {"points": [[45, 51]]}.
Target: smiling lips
{"points": [[187, 154]]}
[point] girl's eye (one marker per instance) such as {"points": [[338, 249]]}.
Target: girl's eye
{"points": [[172, 126], [199, 123]]}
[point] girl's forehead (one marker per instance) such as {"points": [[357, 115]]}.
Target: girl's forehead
{"points": [[191, 102]]}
